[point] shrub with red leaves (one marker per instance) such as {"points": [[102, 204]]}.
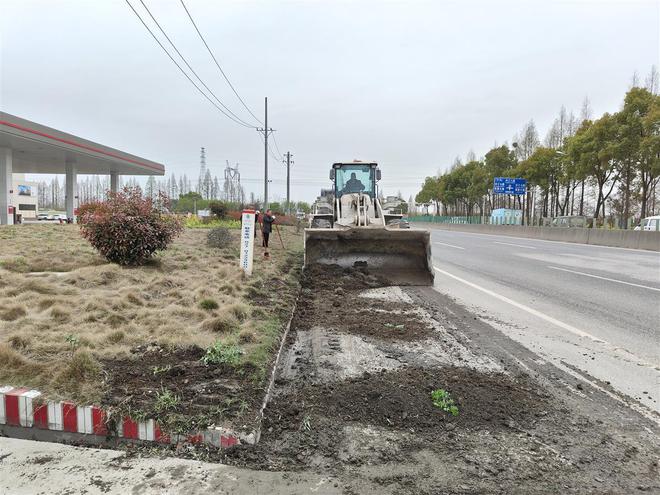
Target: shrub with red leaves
{"points": [[127, 228]]}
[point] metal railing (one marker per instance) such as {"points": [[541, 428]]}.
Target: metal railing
{"points": [[475, 219]]}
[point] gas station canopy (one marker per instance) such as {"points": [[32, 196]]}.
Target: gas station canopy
{"points": [[37, 149], [30, 148]]}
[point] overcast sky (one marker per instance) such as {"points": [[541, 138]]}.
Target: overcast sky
{"points": [[408, 84]]}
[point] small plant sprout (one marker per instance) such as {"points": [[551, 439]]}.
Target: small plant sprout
{"points": [[443, 400], [166, 400], [307, 423], [161, 369], [243, 406], [73, 342], [220, 353]]}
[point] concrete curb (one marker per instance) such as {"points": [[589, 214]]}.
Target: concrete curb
{"points": [[22, 408], [273, 371]]}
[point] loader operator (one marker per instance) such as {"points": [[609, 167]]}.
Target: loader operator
{"points": [[353, 185]]}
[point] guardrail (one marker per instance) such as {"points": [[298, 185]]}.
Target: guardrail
{"points": [[475, 219], [632, 239]]}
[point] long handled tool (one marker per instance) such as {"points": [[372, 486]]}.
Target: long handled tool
{"points": [[278, 235]]}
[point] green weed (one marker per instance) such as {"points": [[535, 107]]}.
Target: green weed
{"points": [[166, 400], [157, 370], [208, 304], [220, 353], [442, 399]]}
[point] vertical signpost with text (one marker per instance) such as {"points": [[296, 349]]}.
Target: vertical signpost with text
{"points": [[247, 240]]}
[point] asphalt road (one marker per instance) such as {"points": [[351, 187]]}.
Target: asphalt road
{"points": [[594, 311]]}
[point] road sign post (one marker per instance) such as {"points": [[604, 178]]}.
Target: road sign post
{"points": [[509, 185], [512, 187], [247, 240]]}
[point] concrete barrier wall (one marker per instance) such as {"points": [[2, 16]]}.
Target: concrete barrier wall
{"points": [[632, 239]]}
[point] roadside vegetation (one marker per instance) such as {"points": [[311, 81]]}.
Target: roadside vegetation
{"points": [[67, 314], [583, 166]]}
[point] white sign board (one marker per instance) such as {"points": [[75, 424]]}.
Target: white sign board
{"points": [[247, 240]]}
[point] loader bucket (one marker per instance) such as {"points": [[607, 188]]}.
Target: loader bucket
{"points": [[402, 256]]}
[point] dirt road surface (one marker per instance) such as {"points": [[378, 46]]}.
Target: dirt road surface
{"points": [[351, 413]]}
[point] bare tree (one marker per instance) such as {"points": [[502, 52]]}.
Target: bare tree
{"points": [[634, 81], [651, 82], [528, 141], [585, 111]]}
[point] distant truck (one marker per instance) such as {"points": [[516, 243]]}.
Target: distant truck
{"points": [[649, 224]]}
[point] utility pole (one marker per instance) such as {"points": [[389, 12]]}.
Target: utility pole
{"points": [[266, 132], [288, 162]]}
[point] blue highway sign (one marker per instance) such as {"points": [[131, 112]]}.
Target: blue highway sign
{"points": [[508, 185]]}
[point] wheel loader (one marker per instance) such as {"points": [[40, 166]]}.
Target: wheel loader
{"points": [[355, 231]]}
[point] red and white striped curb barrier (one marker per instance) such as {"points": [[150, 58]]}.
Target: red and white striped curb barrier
{"points": [[22, 407]]}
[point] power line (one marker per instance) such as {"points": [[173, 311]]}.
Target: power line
{"points": [[217, 64], [189, 66], [277, 148], [270, 150], [181, 69]]}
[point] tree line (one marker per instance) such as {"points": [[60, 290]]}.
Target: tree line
{"points": [[183, 196], [584, 166], [51, 194]]}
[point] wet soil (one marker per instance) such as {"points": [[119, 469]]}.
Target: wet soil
{"points": [[523, 426], [401, 399], [217, 394], [516, 431], [330, 298]]}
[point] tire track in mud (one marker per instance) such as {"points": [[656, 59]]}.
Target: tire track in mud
{"points": [[351, 401], [353, 387]]}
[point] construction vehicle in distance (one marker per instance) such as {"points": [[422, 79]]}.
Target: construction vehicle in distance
{"points": [[355, 231]]}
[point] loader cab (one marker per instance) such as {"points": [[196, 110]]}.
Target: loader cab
{"points": [[355, 177]]}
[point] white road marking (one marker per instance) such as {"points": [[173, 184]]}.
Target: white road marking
{"points": [[604, 278], [448, 245], [511, 244], [549, 319]]}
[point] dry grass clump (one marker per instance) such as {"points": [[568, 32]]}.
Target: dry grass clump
{"points": [[247, 336], [115, 320], [19, 342], [111, 309], [11, 358], [223, 324], [116, 337], [79, 377], [134, 299], [12, 313], [45, 303], [240, 311], [59, 314], [35, 285], [15, 369], [18, 264]]}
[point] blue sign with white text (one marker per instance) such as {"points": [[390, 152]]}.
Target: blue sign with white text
{"points": [[508, 185]]}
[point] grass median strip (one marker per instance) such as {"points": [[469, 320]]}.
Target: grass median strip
{"points": [[71, 323]]}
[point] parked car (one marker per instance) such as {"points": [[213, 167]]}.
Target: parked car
{"points": [[649, 223], [42, 216]]}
